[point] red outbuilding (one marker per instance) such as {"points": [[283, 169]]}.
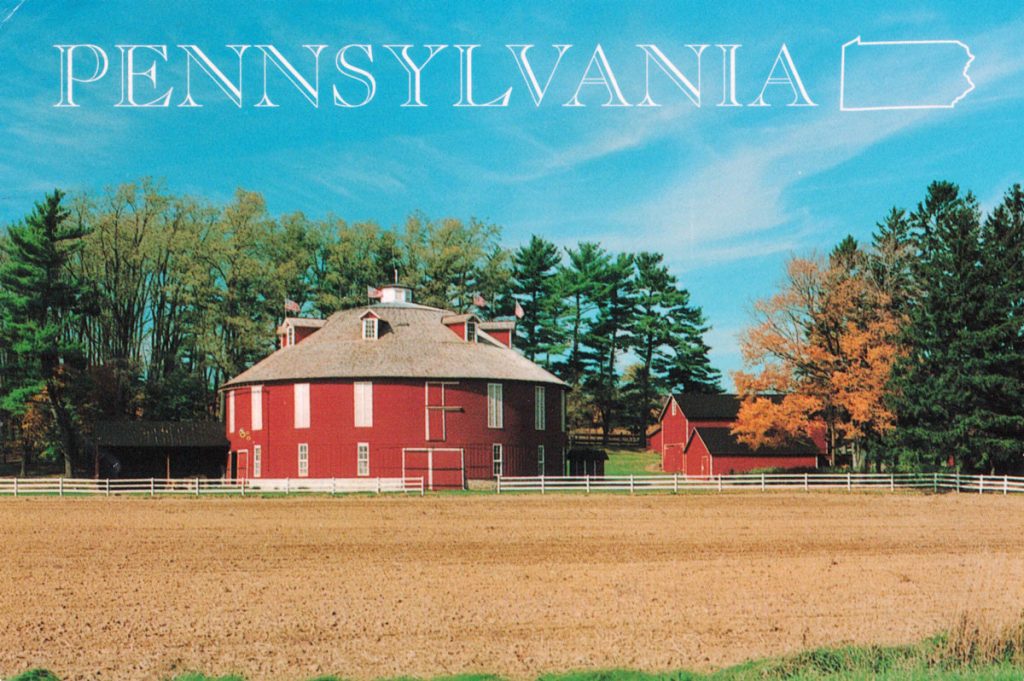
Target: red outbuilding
{"points": [[683, 414], [716, 451], [391, 390]]}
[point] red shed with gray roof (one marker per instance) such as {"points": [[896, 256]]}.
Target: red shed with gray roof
{"points": [[683, 414], [716, 451]]}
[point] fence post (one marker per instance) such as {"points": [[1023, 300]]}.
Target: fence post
{"points": [[15, 485], [807, 481], [762, 482], [197, 487], [499, 484], [423, 488], [542, 483], [719, 483], [586, 479], [630, 483], [152, 486], [334, 486], [108, 487], [849, 482], [287, 485], [958, 482], [243, 487], [892, 482], [1006, 483], [935, 483], [60, 485], [378, 485], [981, 484], [675, 483]]}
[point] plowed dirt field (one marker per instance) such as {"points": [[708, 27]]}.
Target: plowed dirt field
{"points": [[120, 589]]}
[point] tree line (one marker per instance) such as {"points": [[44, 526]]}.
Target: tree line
{"points": [[908, 351], [137, 303]]}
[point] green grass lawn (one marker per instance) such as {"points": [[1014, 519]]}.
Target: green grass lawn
{"points": [[632, 462], [969, 654], [910, 663]]}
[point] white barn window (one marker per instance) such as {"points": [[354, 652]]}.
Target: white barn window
{"points": [[496, 451], [369, 328], [539, 408], [257, 461], [302, 405], [540, 459], [363, 459], [363, 398], [231, 411], [257, 407], [291, 335], [495, 406], [303, 460]]}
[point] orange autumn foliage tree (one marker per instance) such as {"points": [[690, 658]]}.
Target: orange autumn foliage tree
{"points": [[819, 355]]}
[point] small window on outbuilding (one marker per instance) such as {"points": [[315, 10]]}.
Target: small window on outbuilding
{"points": [[291, 335], [369, 328], [470, 331]]}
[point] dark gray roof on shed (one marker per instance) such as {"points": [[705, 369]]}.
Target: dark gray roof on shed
{"points": [[721, 442], [700, 407], [165, 434]]}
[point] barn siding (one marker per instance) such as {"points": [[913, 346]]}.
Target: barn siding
{"points": [[675, 433], [654, 441], [398, 422], [503, 336], [724, 465]]}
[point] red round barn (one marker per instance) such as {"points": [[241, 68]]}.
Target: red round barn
{"points": [[395, 389]]}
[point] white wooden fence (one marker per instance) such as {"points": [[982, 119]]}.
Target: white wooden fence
{"points": [[200, 486], [935, 482]]}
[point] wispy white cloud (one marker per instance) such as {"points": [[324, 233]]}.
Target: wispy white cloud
{"points": [[598, 143], [8, 13], [744, 190]]}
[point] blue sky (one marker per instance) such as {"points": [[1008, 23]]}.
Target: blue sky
{"points": [[727, 194]]}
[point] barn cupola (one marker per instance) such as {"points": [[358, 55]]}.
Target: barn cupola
{"points": [[395, 293]]}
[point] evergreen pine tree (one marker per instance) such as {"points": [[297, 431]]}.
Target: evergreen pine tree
{"points": [[1001, 383], [536, 287], [605, 339], [666, 333], [580, 280], [950, 389], [38, 296]]}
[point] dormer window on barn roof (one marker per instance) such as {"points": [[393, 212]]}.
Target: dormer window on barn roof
{"points": [[470, 331], [371, 325]]}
